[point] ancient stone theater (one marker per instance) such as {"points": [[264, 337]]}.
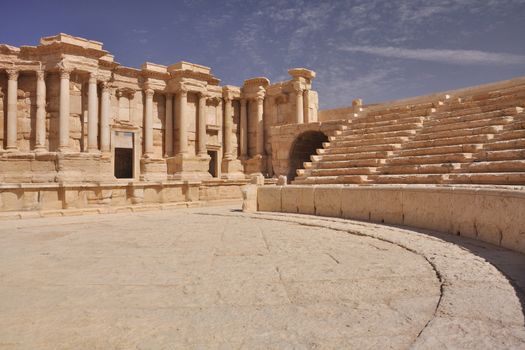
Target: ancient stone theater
{"points": [[391, 225]]}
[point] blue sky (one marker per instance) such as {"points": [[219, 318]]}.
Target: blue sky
{"points": [[373, 49]]}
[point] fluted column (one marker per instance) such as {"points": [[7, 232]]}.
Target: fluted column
{"points": [[260, 126], [12, 98], [168, 141], [40, 133], [228, 126], [201, 137], [244, 130], [182, 100], [306, 101], [92, 113], [148, 122], [104, 118], [63, 115], [299, 106]]}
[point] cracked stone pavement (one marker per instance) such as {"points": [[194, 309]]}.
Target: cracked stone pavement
{"points": [[215, 278]]}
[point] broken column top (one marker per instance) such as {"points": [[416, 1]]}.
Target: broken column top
{"points": [[301, 73], [71, 40], [258, 81], [187, 66]]}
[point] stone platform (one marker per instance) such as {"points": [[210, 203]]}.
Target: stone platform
{"points": [[218, 278]]}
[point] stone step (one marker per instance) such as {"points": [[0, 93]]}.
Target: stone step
{"points": [[431, 159], [358, 149], [440, 119], [468, 110], [468, 124], [507, 154], [386, 124], [506, 144], [514, 178], [494, 166], [458, 140], [441, 168], [466, 148], [510, 135], [348, 163], [344, 171], [370, 142], [373, 135], [459, 132], [418, 108], [511, 90], [396, 116], [345, 179], [489, 100], [408, 179], [352, 156]]}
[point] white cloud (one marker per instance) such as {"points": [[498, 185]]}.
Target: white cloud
{"points": [[442, 56]]}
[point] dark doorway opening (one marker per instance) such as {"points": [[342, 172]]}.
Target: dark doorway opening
{"points": [[124, 163], [303, 147], [213, 163]]}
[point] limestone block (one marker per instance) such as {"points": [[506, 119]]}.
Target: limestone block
{"points": [[249, 198], [257, 179], [328, 201], [119, 197], [380, 205], [50, 199], [12, 200], [152, 194], [428, 208], [298, 199], [173, 194], [191, 191], [30, 200], [137, 195], [269, 198], [230, 192]]}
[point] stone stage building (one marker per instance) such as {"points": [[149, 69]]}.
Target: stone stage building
{"points": [[78, 129]]}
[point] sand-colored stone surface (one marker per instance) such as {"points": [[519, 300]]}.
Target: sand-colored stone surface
{"points": [[217, 278]]}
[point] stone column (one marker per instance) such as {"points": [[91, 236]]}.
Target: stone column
{"points": [[104, 118], [148, 122], [299, 106], [182, 100], [12, 109], [228, 127], [63, 115], [306, 101], [201, 137], [168, 140], [244, 130], [40, 133], [92, 113], [260, 126]]}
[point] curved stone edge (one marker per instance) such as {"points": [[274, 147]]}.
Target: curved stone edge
{"points": [[478, 309], [493, 214]]}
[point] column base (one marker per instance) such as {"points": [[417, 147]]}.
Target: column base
{"points": [[232, 169], [153, 169], [189, 167], [255, 165]]}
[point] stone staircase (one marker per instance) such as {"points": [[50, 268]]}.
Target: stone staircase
{"points": [[471, 139]]}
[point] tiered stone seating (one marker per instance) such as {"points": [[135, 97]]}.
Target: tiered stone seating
{"points": [[472, 139], [357, 152]]}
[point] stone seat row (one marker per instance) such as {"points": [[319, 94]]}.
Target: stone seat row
{"points": [[477, 139]]}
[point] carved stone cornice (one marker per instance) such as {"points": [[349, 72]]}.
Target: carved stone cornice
{"points": [[126, 92]]}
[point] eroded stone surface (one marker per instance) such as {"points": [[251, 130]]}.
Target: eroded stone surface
{"points": [[188, 279]]}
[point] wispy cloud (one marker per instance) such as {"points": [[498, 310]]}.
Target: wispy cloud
{"points": [[442, 56]]}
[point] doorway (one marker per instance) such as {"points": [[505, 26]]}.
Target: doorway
{"points": [[213, 163], [124, 155], [305, 145]]}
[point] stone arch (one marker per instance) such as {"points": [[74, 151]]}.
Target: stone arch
{"points": [[303, 147]]}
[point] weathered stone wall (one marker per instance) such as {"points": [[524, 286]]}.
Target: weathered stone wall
{"points": [[494, 215]]}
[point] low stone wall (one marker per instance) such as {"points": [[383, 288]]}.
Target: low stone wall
{"points": [[60, 196], [491, 214]]}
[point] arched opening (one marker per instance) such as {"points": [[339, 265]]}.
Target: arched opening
{"points": [[303, 147]]}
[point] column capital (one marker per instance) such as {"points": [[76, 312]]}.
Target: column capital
{"points": [[204, 95], [40, 74], [92, 77], [65, 73], [12, 74], [104, 85], [149, 92]]}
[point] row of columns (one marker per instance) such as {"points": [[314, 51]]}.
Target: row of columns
{"points": [[259, 148], [64, 112]]}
